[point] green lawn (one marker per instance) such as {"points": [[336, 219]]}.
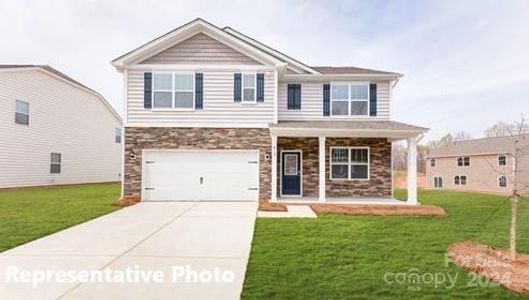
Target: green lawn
{"points": [[348, 256], [30, 213]]}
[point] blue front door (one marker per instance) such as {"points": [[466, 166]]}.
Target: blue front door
{"points": [[291, 173]]}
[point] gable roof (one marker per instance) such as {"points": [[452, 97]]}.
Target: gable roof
{"points": [[187, 30], [60, 75], [483, 146], [244, 44]]}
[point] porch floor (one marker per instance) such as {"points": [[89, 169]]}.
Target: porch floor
{"points": [[343, 200]]}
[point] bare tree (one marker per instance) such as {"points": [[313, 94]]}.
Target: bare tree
{"points": [[449, 138], [499, 129]]}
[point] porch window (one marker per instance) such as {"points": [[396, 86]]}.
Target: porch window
{"points": [[350, 163], [351, 99]]}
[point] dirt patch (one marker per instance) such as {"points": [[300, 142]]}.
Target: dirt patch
{"points": [[265, 206], [493, 264], [400, 180], [379, 210], [127, 201]]}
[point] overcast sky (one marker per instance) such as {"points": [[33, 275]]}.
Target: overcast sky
{"points": [[466, 63]]}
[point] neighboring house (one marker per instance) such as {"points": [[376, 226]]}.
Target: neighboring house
{"points": [[483, 165], [54, 130], [214, 115]]}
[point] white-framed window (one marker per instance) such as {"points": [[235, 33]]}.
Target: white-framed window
{"points": [[432, 162], [438, 182], [55, 163], [350, 99], [463, 161], [249, 87], [502, 160], [21, 112], [173, 91], [456, 180], [117, 135], [502, 181], [350, 163], [463, 179]]}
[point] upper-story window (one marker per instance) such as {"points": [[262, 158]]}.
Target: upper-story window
{"points": [[432, 162], [117, 135], [502, 160], [349, 99], [249, 83], [173, 90], [21, 112], [463, 161]]}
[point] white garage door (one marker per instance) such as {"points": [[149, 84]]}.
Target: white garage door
{"points": [[223, 175]]}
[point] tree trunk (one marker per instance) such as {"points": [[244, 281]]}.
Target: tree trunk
{"points": [[514, 216]]}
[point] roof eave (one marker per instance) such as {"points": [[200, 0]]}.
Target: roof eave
{"points": [[330, 77], [339, 132]]}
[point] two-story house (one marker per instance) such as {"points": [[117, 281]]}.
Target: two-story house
{"points": [[54, 130], [214, 115], [481, 165]]}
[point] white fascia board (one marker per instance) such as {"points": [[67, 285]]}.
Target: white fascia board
{"points": [[199, 125], [294, 64], [201, 67], [364, 133], [187, 31], [338, 77]]}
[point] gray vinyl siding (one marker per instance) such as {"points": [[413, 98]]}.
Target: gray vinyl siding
{"points": [[200, 49], [219, 107], [62, 119], [312, 102]]}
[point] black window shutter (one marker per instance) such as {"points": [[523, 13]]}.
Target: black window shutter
{"points": [[260, 87], [373, 99], [237, 87], [294, 96], [147, 90], [326, 99], [199, 91]]}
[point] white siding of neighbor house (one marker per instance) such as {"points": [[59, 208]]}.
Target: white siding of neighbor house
{"points": [[200, 49], [62, 119], [219, 107], [312, 102]]}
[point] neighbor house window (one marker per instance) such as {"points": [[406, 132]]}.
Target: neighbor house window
{"points": [[502, 181], [55, 163], [502, 160], [21, 112], [173, 90], [432, 162], [350, 163], [350, 99], [463, 161], [117, 136], [249, 93], [463, 180], [456, 180], [438, 182]]}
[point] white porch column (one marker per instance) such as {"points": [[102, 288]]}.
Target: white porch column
{"points": [[273, 197], [322, 169], [412, 170]]}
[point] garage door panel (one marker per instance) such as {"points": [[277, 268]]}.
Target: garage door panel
{"points": [[201, 176]]}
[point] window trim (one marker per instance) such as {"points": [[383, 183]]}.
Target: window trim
{"points": [[504, 160], [499, 181], [15, 112], [173, 91], [254, 88], [349, 163], [55, 163], [349, 100]]}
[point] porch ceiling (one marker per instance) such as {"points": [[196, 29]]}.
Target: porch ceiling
{"points": [[378, 129]]}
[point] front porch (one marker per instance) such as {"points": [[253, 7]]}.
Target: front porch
{"points": [[340, 162]]}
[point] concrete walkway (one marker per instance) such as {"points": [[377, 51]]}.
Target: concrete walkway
{"points": [[293, 211], [200, 250]]}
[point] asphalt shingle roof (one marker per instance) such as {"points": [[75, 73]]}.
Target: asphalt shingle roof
{"points": [[484, 146]]}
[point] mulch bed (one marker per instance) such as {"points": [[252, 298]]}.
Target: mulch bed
{"points": [[265, 206], [127, 201], [494, 264], [379, 210]]}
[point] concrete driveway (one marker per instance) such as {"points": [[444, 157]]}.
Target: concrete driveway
{"points": [[168, 250]]}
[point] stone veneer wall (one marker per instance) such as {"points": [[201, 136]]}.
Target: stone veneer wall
{"points": [[138, 138], [379, 184]]}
